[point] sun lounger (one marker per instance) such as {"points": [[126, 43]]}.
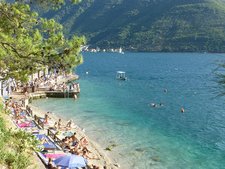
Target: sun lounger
{"points": [[39, 121], [29, 112], [52, 134], [43, 158]]}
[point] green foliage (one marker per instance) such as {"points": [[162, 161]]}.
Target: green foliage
{"points": [[47, 4], [15, 147], [28, 43], [2, 127], [148, 25], [15, 160], [25, 142]]}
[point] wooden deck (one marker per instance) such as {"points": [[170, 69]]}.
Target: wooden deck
{"points": [[60, 94], [54, 94]]}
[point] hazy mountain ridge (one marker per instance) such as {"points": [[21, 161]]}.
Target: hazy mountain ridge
{"points": [[148, 25]]}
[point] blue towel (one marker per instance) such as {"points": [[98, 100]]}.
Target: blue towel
{"points": [[49, 144]]}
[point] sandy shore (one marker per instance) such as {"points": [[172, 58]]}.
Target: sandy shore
{"points": [[95, 149], [92, 146], [97, 152]]}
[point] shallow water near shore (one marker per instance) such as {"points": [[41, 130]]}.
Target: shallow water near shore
{"points": [[119, 113]]}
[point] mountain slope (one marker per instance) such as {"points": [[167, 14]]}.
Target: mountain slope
{"points": [[148, 25]]}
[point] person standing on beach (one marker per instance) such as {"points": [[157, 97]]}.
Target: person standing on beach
{"points": [[55, 126], [69, 124], [46, 118], [59, 123]]}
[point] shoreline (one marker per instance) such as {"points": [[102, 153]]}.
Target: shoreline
{"points": [[102, 160], [94, 147]]}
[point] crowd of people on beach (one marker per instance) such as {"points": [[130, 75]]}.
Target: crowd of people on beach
{"points": [[53, 134], [22, 116]]}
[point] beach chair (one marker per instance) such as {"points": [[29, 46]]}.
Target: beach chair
{"points": [[29, 112], [52, 133], [39, 121], [43, 158]]}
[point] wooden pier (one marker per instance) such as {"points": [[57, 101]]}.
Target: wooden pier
{"points": [[55, 94], [37, 95], [61, 94]]}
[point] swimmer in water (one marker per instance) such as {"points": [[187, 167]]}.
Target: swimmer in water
{"points": [[153, 105], [182, 110]]}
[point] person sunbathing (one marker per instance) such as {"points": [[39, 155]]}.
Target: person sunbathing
{"points": [[74, 151], [54, 127], [85, 155], [95, 167], [46, 118], [81, 150], [73, 139], [17, 114], [83, 142], [66, 143]]}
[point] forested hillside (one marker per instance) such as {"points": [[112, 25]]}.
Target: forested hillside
{"points": [[147, 25]]}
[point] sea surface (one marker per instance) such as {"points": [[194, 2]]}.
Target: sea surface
{"points": [[119, 114]]}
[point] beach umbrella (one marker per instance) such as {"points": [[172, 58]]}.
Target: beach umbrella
{"points": [[70, 161]]}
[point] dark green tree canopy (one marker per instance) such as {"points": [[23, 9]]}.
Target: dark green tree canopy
{"points": [[29, 43]]}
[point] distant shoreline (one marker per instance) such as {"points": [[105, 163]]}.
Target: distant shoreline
{"points": [[134, 51]]}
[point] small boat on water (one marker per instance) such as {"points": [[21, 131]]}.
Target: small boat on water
{"points": [[120, 75]]}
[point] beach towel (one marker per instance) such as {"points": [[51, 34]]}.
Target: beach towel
{"points": [[26, 124], [44, 157], [48, 145], [53, 155]]}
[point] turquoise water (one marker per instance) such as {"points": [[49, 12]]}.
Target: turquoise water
{"points": [[120, 112]]}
